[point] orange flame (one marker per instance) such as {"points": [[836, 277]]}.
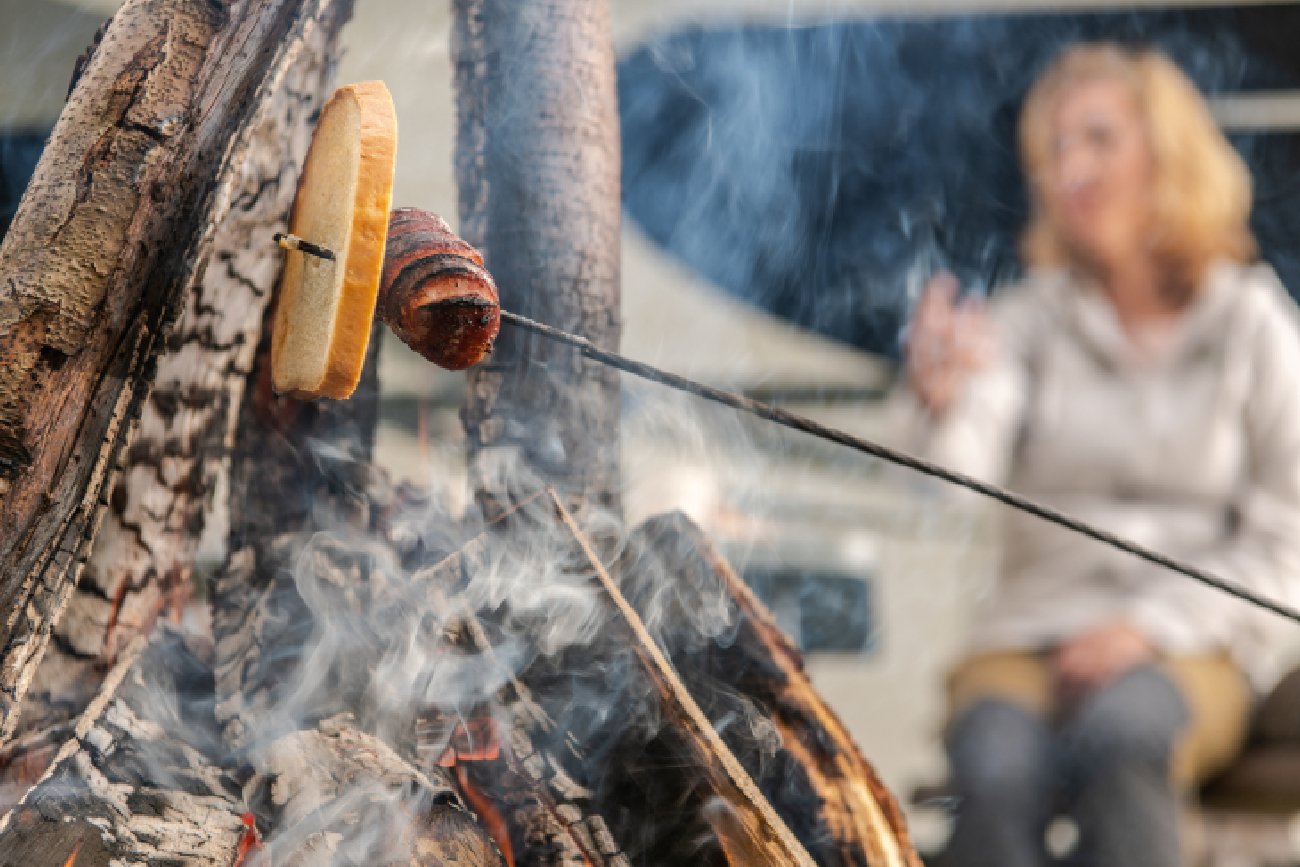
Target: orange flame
{"points": [[72, 857], [109, 653], [476, 740], [249, 842], [473, 740], [493, 822]]}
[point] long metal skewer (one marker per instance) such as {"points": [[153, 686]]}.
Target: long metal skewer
{"points": [[807, 425]]}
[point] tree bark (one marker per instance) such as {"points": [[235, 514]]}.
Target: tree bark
{"points": [[743, 819], [538, 175], [145, 549], [137, 784], [742, 667], [116, 227]]}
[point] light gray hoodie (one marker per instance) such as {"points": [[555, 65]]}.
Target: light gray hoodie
{"points": [[1189, 444]]}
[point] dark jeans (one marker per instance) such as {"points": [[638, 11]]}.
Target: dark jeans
{"points": [[1107, 766]]}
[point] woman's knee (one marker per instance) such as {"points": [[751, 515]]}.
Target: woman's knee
{"points": [[998, 748], [1135, 719]]}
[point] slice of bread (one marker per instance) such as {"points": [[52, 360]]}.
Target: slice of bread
{"points": [[325, 308]]}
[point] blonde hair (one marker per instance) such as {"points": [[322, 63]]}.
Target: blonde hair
{"points": [[1202, 188]]}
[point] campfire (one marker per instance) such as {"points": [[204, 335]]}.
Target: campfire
{"points": [[369, 678]]}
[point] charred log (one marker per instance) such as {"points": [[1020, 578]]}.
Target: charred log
{"points": [[515, 766], [537, 158], [750, 679], [139, 783], [745, 822], [605, 757], [340, 796], [113, 234], [143, 556]]}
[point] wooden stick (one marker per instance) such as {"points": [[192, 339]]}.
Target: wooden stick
{"points": [[767, 839], [761, 663], [107, 245], [287, 241]]}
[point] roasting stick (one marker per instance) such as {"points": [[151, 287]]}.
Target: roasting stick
{"points": [[437, 297], [894, 456]]}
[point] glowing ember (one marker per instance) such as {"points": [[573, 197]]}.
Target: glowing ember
{"points": [[493, 822], [473, 740], [110, 650], [72, 856], [250, 842]]}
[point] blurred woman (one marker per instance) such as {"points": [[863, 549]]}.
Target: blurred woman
{"points": [[1146, 378]]}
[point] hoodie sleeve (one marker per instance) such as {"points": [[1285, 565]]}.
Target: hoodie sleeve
{"points": [[977, 435], [1263, 554]]}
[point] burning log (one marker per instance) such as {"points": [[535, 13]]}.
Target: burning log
{"points": [[138, 782], [751, 825], [519, 786], [818, 780], [342, 796], [651, 777], [116, 226], [142, 557], [552, 780]]}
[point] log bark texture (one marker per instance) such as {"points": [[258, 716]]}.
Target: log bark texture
{"points": [[741, 815], [114, 232], [139, 782], [750, 678], [538, 167], [144, 552]]}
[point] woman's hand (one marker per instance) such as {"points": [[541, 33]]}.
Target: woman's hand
{"points": [[1094, 658], [948, 341]]}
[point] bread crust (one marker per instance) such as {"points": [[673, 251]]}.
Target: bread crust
{"points": [[364, 258]]}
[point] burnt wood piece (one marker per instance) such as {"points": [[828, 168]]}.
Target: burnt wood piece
{"points": [[116, 227], [340, 796], [601, 759], [543, 817], [537, 165], [741, 667], [142, 558], [745, 820], [139, 781]]}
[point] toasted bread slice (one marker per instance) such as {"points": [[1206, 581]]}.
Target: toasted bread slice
{"points": [[325, 308]]}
